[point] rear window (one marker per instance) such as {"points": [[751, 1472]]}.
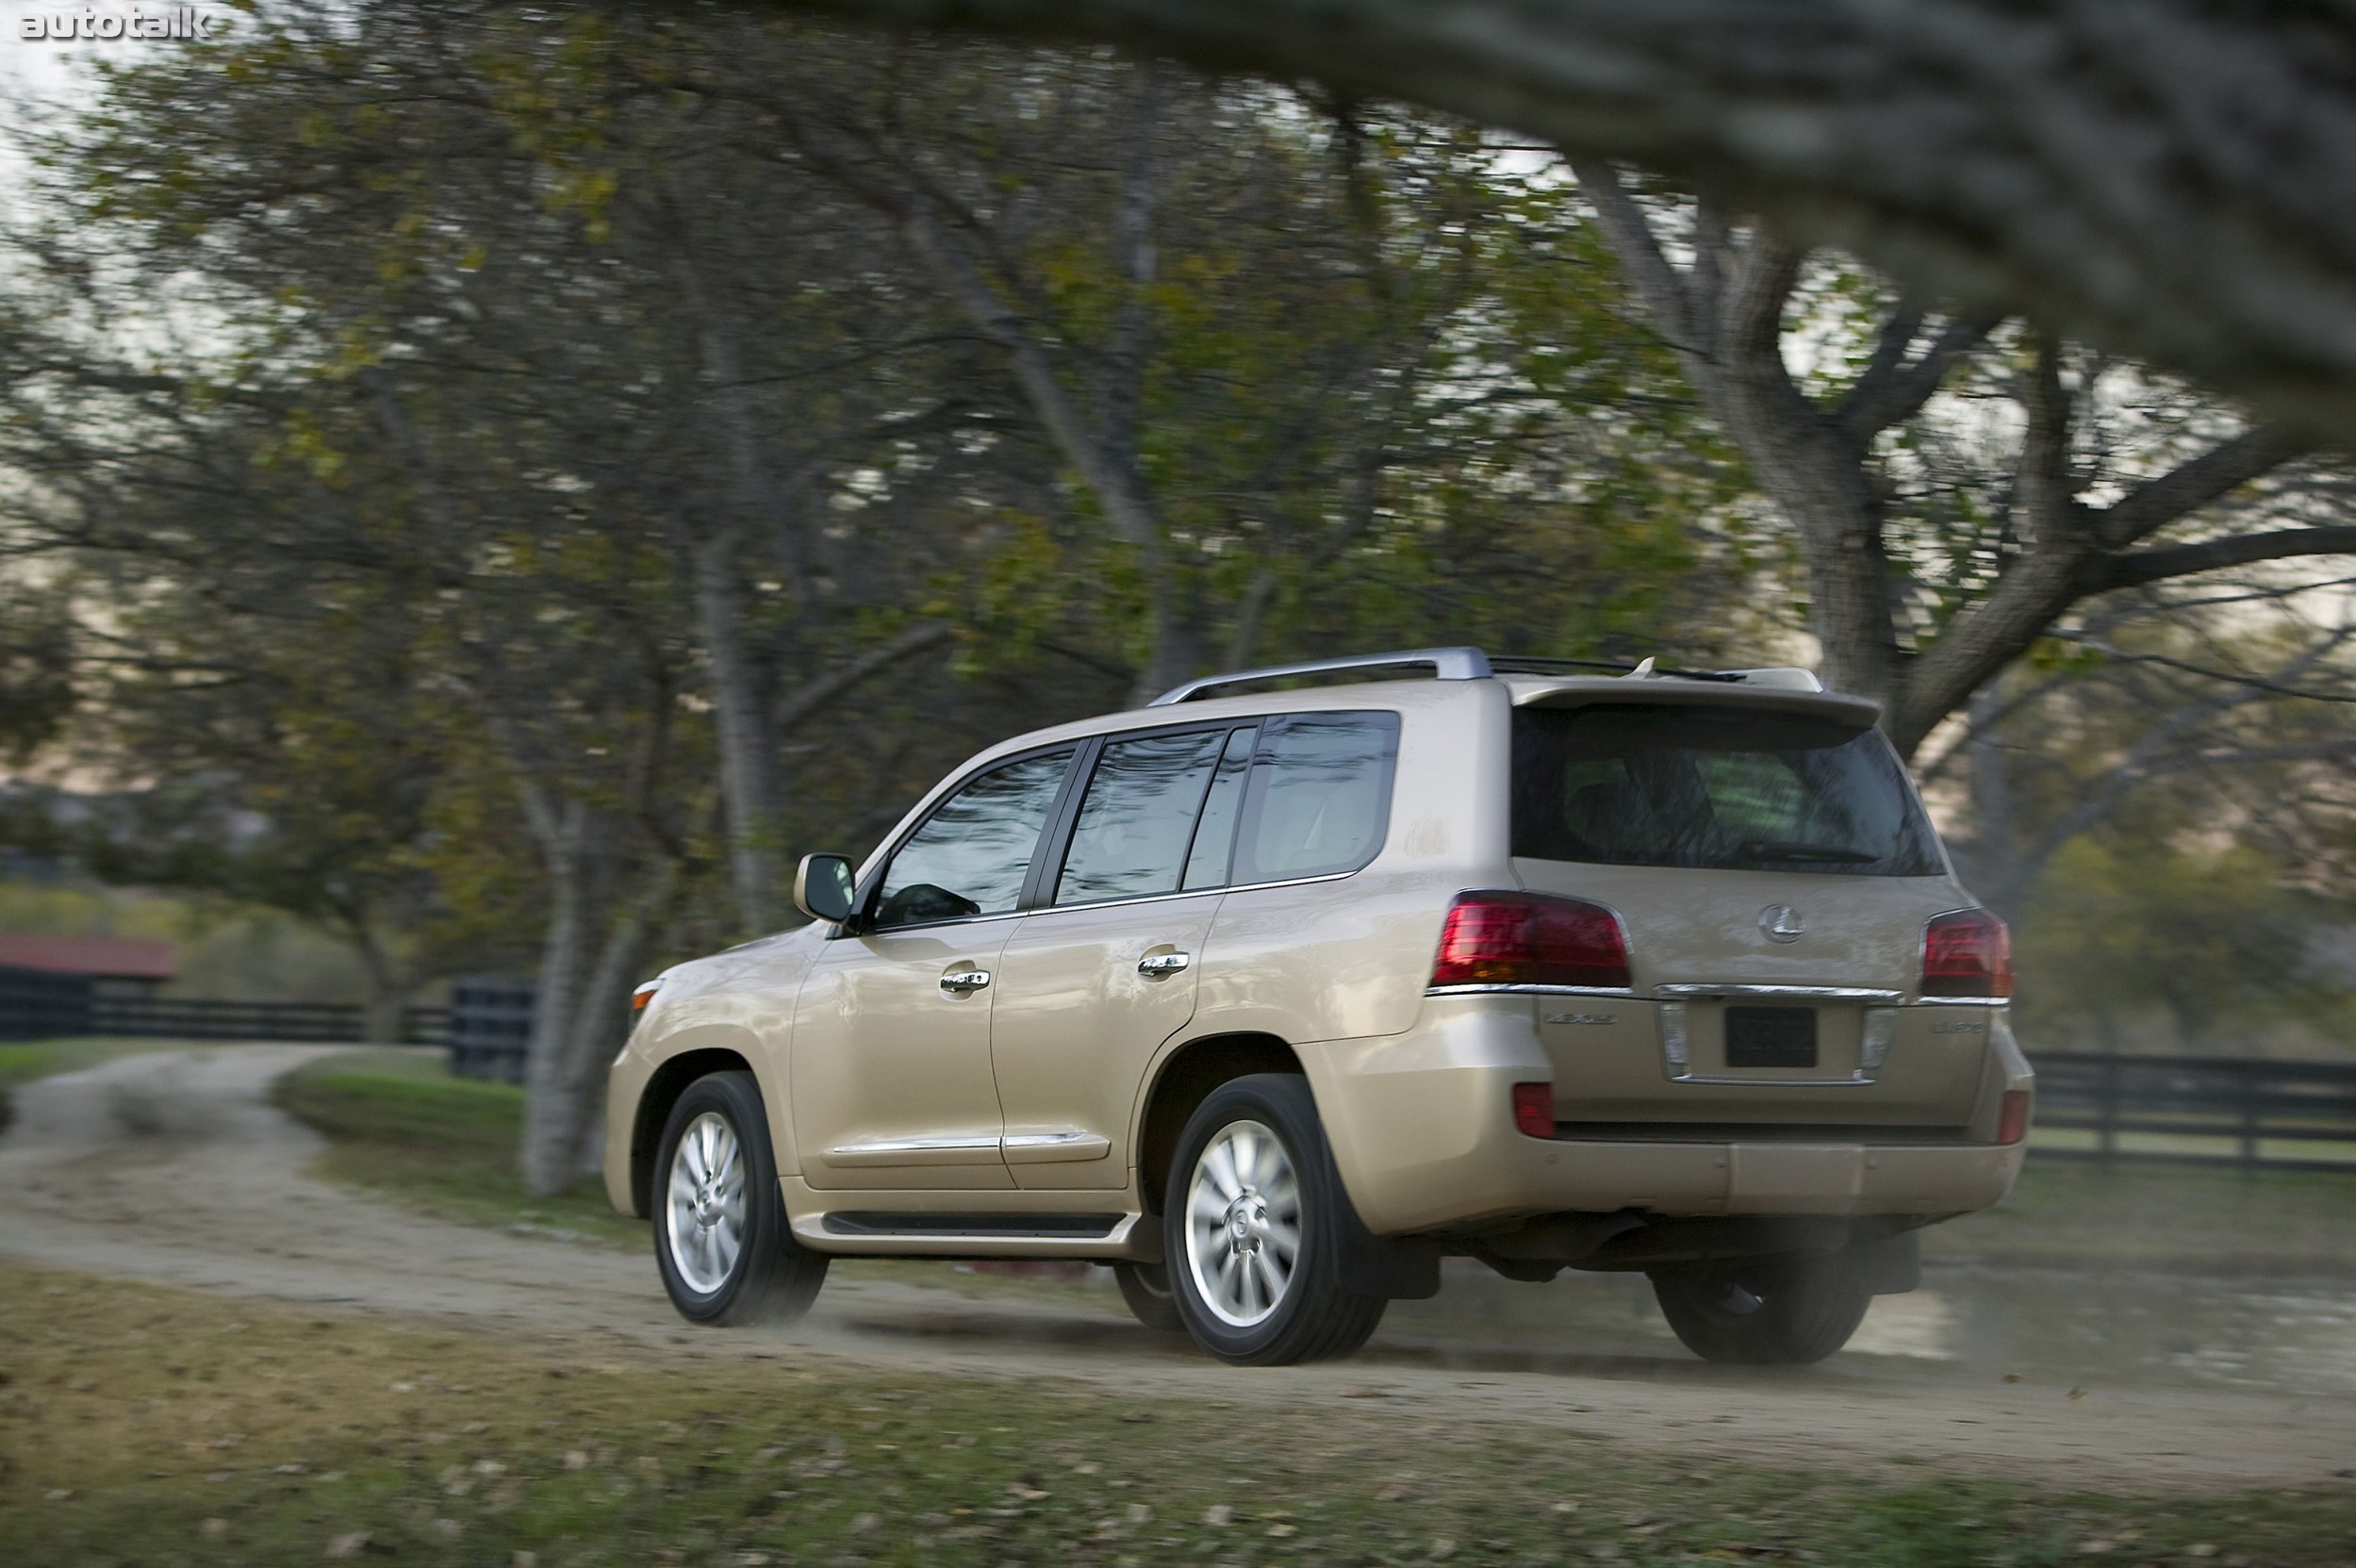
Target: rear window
{"points": [[1729, 788]]}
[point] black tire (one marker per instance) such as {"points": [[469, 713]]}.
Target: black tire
{"points": [[1310, 1317], [770, 1278], [1773, 1311], [1146, 1289]]}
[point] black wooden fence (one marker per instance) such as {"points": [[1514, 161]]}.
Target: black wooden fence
{"points": [[2177, 1109], [2207, 1110]]}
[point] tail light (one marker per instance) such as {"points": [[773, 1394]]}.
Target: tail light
{"points": [[1527, 939], [2012, 1117], [1534, 1110], [1968, 953]]}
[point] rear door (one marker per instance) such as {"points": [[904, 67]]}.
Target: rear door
{"points": [[1103, 969], [1774, 871]]}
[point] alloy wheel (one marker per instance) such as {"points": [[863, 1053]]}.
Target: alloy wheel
{"points": [[705, 1215], [1243, 1223]]}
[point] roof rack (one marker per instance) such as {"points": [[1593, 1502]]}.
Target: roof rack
{"points": [[1447, 663], [1471, 664]]}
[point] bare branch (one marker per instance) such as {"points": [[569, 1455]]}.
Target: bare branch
{"points": [[2217, 472], [2236, 550], [1893, 387]]}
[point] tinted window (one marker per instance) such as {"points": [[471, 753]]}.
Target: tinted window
{"points": [[1724, 787], [970, 856], [1320, 796], [1138, 817], [1214, 837]]}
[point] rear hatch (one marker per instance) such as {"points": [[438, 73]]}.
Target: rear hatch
{"points": [[1773, 871]]}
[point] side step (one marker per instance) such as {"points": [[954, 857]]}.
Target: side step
{"points": [[993, 1227]]}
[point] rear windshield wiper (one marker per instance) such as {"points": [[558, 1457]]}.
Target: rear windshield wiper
{"points": [[1787, 848]]}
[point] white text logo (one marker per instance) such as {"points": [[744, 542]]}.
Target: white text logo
{"points": [[173, 21]]}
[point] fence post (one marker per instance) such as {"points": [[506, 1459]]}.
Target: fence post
{"points": [[2106, 1134], [2246, 1079]]}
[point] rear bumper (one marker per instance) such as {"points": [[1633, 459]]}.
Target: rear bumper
{"points": [[1421, 1131]]}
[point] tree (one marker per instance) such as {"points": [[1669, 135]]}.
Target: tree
{"points": [[1822, 461], [2169, 179]]}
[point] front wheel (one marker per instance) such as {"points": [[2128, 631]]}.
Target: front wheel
{"points": [[721, 1241], [1780, 1311], [1252, 1229]]}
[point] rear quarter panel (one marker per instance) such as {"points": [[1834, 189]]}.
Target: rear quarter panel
{"points": [[1348, 957]]}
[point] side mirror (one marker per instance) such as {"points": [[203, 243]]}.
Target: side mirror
{"points": [[822, 887]]}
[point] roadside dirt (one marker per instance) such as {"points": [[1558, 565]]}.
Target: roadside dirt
{"points": [[175, 1167]]}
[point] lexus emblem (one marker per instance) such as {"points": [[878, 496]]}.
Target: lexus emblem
{"points": [[1781, 923]]}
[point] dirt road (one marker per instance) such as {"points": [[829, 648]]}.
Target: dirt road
{"points": [[175, 1167]]}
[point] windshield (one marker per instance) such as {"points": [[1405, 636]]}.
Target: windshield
{"points": [[1733, 788]]}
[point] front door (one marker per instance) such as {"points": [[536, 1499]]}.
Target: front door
{"points": [[1096, 979], [892, 1077]]}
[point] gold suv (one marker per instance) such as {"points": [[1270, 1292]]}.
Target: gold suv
{"points": [[1270, 1001]]}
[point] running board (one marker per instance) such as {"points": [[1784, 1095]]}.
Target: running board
{"points": [[884, 1233], [1069, 1227]]}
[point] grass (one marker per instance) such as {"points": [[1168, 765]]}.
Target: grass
{"points": [[398, 1125], [2068, 1215], [152, 1426]]}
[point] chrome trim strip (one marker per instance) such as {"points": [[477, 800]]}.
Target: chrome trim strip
{"points": [[1199, 892], [887, 1151], [1859, 1081], [1818, 993], [1963, 1001], [1039, 1149], [1505, 990]]}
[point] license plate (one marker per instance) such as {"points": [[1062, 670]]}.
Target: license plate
{"points": [[1770, 1036]]}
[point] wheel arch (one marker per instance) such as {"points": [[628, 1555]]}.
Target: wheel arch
{"points": [[664, 1086], [1184, 1078]]}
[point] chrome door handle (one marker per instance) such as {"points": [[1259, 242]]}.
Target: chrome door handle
{"points": [[962, 982], [1162, 966]]}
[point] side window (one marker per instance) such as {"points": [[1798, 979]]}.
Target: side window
{"points": [[1214, 837], [971, 854], [1138, 818], [1320, 796]]}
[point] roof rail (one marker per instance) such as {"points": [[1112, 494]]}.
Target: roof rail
{"points": [[1471, 664], [1447, 663]]}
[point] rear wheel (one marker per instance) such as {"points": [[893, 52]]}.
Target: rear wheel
{"points": [[1146, 1289], [1780, 1311], [1254, 1229], [721, 1241]]}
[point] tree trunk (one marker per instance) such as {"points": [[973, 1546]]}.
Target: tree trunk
{"points": [[749, 782], [553, 1109]]}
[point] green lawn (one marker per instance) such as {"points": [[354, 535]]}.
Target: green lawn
{"points": [[397, 1123], [2065, 1213], [152, 1426]]}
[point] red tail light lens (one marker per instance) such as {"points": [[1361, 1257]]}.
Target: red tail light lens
{"points": [[2012, 1117], [1527, 939], [1534, 1110], [1968, 953]]}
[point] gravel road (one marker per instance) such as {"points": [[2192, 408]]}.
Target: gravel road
{"points": [[175, 1167]]}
